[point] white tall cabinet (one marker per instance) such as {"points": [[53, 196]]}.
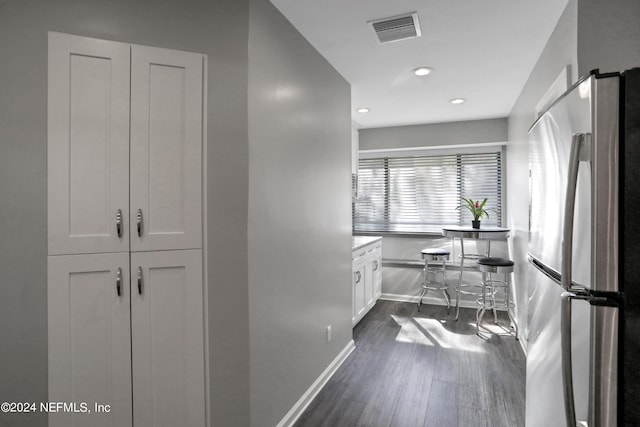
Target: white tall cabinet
{"points": [[125, 278]]}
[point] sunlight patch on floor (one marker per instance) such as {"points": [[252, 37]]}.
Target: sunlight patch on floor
{"points": [[433, 332], [490, 327]]}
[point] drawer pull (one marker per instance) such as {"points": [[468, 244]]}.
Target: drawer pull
{"points": [[139, 222], [119, 223], [119, 282], [139, 280]]}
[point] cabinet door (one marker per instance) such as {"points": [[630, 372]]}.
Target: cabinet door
{"points": [[359, 305], [377, 273], [88, 145], [368, 283], [167, 337], [166, 149], [89, 338]]}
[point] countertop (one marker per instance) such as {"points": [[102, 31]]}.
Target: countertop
{"points": [[359, 241]]}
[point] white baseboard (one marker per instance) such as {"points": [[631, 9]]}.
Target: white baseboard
{"points": [[523, 344], [304, 401], [426, 300]]}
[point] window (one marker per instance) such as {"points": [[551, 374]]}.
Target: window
{"points": [[421, 193]]}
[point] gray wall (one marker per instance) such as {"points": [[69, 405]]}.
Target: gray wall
{"points": [[299, 213], [559, 51], [217, 28], [608, 35], [467, 132]]}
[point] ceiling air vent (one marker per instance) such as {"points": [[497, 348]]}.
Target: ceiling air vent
{"points": [[396, 28]]}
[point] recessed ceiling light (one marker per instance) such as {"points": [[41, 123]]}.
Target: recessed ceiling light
{"points": [[457, 101], [362, 110], [422, 71]]}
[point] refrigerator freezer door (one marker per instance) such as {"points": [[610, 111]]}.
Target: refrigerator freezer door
{"points": [[549, 147], [544, 394]]}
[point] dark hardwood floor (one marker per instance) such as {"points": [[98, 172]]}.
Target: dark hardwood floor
{"points": [[413, 369]]}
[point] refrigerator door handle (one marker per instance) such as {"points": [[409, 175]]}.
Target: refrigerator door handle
{"points": [[577, 146], [565, 344], [567, 368]]}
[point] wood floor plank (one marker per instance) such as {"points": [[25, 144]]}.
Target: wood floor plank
{"points": [[344, 413], [381, 406], [361, 389], [411, 408], [468, 416], [317, 412], [412, 369], [442, 410]]}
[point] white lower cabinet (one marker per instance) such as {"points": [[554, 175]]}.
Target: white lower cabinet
{"points": [[367, 279], [90, 338], [167, 338], [126, 332], [359, 303]]}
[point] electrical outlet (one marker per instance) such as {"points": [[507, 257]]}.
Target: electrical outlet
{"points": [[329, 333]]}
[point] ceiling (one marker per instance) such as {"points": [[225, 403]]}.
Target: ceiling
{"points": [[480, 50]]}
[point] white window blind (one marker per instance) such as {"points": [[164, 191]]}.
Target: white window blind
{"points": [[421, 193]]}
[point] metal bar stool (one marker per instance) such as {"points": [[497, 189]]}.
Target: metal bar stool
{"points": [[435, 263], [495, 292]]}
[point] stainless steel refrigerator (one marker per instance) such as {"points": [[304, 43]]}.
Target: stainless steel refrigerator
{"points": [[583, 354]]}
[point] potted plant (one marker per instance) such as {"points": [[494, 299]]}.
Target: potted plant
{"points": [[476, 208]]}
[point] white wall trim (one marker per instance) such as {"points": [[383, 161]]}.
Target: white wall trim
{"points": [[557, 88], [523, 344], [431, 150], [427, 300], [308, 396]]}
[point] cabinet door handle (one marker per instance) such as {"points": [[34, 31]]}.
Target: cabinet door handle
{"points": [[139, 222], [358, 276], [139, 280], [119, 222], [375, 265], [119, 281]]}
